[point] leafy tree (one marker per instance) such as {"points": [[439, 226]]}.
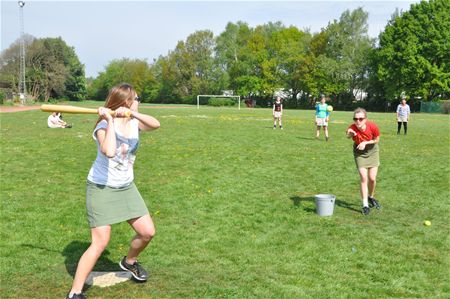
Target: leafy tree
{"points": [[190, 69], [413, 55], [135, 72], [249, 62], [290, 48], [341, 67], [9, 64], [52, 69], [232, 57]]}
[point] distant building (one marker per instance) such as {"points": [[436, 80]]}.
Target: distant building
{"points": [[360, 95], [228, 92]]}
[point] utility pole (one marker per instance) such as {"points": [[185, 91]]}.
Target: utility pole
{"points": [[22, 84]]}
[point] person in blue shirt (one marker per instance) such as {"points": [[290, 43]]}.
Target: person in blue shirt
{"points": [[322, 117]]}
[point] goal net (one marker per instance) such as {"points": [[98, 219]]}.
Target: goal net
{"points": [[205, 98]]}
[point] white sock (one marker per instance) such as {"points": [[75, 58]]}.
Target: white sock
{"points": [[365, 202], [73, 293]]}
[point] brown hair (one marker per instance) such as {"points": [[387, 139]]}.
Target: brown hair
{"points": [[121, 95], [360, 110]]}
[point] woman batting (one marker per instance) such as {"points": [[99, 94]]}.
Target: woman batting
{"points": [[366, 136], [111, 195]]}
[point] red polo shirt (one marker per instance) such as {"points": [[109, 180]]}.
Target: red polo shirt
{"points": [[370, 133]]}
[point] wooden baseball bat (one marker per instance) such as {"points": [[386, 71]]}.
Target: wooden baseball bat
{"points": [[72, 109]]}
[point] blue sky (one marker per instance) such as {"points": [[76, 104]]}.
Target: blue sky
{"points": [[101, 31]]}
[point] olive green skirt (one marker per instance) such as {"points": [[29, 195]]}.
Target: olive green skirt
{"points": [[106, 205], [367, 158]]}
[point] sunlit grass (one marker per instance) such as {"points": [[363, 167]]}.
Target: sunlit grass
{"points": [[233, 202]]}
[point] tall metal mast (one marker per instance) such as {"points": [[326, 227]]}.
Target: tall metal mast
{"points": [[22, 84]]}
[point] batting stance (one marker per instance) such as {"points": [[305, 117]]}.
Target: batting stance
{"points": [[111, 195]]}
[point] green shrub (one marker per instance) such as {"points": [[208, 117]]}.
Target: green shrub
{"points": [[2, 97], [217, 102], [446, 106]]}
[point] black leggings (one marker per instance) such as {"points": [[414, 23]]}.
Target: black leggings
{"points": [[399, 126]]}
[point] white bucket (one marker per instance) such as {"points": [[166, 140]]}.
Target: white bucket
{"points": [[325, 204]]}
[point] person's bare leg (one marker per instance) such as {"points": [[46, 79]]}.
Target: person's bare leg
{"points": [[100, 238], [363, 174], [145, 231], [372, 180]]}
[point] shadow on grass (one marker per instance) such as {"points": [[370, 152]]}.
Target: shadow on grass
{"points": [[297, 202], [74, 250], [344, 204], [307, 138]]}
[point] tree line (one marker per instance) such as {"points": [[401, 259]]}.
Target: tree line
{"points": [[410, 58], [53, 70]]}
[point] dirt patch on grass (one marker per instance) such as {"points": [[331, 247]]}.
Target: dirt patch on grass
{"points": [[7, 109]]}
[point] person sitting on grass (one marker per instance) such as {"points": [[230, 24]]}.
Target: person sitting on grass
{"points": [[54, 121]]}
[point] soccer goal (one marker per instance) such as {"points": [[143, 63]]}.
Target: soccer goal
{"points": [[218, 96]]}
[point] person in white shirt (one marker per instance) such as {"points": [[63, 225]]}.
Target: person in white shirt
{"points": [[111, 195], [277, 112], [403, 114], [54, 121]]}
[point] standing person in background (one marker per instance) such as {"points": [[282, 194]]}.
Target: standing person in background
{"points": [[322, 117], [111, 195], [403, 114], [366, 136], [277, 112]]}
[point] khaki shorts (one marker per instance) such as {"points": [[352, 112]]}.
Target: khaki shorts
{"points": [[321, 122], [277, 114], [367, 158], [402, 119]]}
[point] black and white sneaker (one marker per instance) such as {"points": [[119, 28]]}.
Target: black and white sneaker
{"points": [[374, 203], [365, 211], [76, 296], [135, 269]]}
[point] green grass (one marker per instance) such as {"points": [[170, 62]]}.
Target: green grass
{"points": [[233, 203]]}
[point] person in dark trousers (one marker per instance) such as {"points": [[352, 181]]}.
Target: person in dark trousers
{"points": [[403, 116]]}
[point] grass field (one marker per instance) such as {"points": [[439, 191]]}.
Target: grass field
{"points": [[233, 204]]}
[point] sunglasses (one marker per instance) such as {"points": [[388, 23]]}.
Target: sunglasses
{"points": [[359, 118], [137, 99]]}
